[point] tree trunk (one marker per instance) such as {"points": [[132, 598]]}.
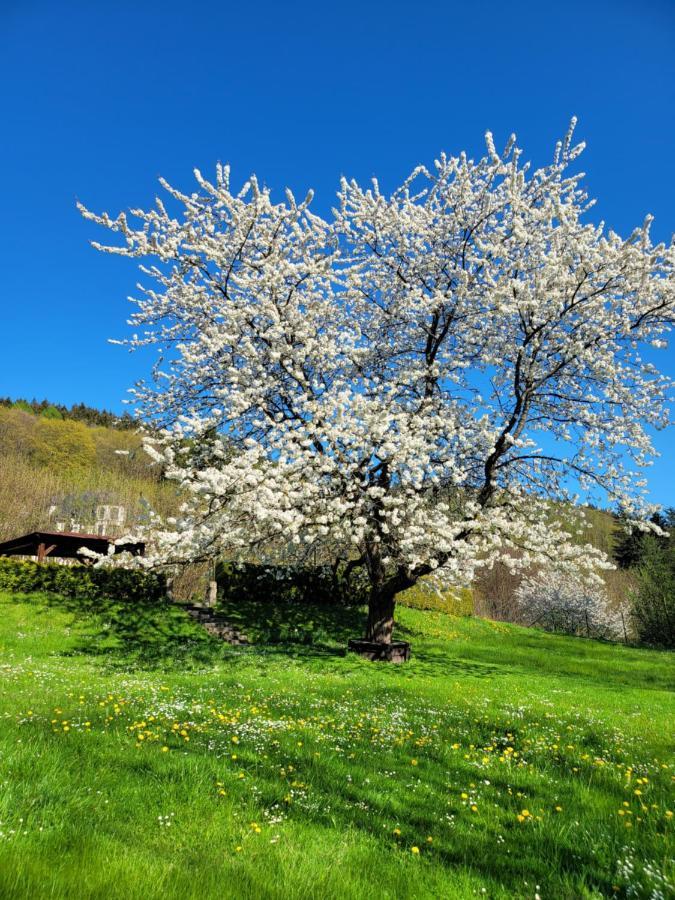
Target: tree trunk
{"points": [[380, 616]]}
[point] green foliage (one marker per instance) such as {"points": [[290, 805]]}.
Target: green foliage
{"points": [[653, 601], [278, 604], [51, 412], [319, 585], [630, 544], [82, 582], [63, 445], [23, 405], [58, 444], [79, 412], [281, 586], [628, 548], [56, 470]]}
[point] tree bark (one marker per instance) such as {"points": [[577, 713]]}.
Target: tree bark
{"points": [[380, 616]]}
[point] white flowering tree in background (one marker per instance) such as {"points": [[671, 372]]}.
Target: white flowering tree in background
{"points": [[561, 601], [405, 384]]}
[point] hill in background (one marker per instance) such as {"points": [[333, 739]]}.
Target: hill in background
{"points": [[79, 468], [60, 468]]}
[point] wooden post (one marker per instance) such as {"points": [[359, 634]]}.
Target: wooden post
{"points": [[623, 623], [41, 553], [212, 595]]}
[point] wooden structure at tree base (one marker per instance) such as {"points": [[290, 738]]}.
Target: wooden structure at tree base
{"points": [[396, 651], [65, 545]]}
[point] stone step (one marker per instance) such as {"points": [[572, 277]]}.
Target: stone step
{"points": [[217, 626]]}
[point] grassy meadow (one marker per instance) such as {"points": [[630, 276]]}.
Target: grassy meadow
{"points": [[141, 758]]}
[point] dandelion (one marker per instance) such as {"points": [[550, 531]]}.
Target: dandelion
{"points": [[415, 850]]}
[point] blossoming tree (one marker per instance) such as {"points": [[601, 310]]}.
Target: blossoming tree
{"points": [[407, 384], [558, 601]]}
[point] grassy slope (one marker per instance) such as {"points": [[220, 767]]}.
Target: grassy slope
{"points": [[293, 771]]}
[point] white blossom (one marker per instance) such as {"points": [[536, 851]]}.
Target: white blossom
{"points": [[558, 601], [413, 379]]}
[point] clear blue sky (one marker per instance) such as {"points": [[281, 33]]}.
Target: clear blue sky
{"points": [[100, 98]]}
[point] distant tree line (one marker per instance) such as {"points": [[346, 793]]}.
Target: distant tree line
{"points": [[79, 412]]}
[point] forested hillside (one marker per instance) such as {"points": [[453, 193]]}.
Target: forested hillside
{"points": [[85, 469], [57, 471]]}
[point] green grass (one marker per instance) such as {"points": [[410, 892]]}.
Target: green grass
{"points": [[295, 771]]}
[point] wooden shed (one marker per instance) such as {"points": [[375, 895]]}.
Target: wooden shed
{"points": [[64, 545]]}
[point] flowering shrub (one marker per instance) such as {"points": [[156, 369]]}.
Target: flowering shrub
{"points": [[556, 601]]}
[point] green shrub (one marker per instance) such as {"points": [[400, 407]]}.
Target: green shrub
{"points": [[86, 582], [653, 601], [320, 585], [51, 412]]}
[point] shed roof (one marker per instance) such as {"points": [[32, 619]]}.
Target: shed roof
{"points": [[65, 545]]}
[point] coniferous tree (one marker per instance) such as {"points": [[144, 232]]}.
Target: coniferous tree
{"points": [[653, 602]]}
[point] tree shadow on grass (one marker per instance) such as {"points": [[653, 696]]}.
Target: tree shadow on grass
{"points": [[432, 661], [134, 634], [162, 634], [486, 850], [275, 621], [421, 804]]}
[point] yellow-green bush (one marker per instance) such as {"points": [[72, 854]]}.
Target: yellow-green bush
{"points": [[455, 601]]}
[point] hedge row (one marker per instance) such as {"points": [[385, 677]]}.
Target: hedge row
{"points": [[86, 582], [320, 584]]}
